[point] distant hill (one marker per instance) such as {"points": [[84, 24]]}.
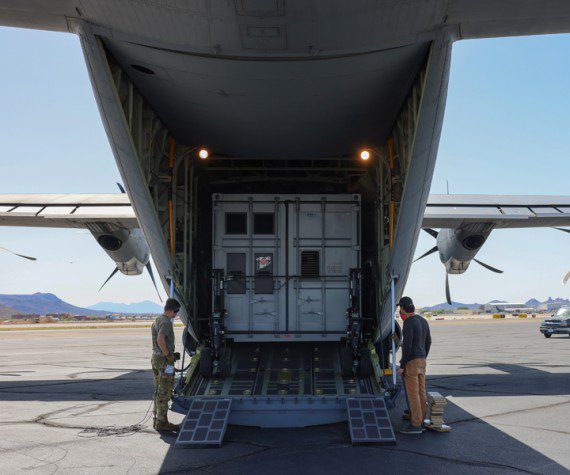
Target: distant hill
{"points": [[138, 307], [557, 300], [42, 304]]}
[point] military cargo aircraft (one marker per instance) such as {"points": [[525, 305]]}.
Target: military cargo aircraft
{"points": [[278, 156]]}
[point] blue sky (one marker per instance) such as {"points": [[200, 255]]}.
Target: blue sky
{"points": [[506, 131]]}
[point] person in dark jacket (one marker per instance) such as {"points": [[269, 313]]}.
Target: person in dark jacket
{"points": [[415, 349]]}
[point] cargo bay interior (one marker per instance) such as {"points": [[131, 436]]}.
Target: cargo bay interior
{"points": [[278, 247], [184, 185]]}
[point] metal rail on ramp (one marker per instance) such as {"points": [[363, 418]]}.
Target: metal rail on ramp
{"points": [[369, 422], [206, 422]]}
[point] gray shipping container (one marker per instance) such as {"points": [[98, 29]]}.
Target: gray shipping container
{"points": [[288, 258]]}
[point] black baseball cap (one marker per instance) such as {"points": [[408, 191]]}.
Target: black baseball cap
{"points": [[406, 303]]}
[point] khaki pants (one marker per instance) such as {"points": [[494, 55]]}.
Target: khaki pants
{"points": [[415, 381], [163, 387]]}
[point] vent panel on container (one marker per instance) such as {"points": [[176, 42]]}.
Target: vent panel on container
{"points": [[310, 264]]}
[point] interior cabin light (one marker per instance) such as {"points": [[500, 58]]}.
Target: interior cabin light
{"points": [[203, 153], [364, 155]]}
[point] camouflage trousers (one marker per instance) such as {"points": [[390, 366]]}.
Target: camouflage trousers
{"points": [[163, 384]]}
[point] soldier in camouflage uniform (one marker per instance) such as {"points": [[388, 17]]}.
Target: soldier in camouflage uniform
{"points": [[163, 356]]}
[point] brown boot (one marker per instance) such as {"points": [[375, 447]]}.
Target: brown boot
{"points": [[166, 426]]}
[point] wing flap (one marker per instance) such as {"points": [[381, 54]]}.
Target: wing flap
{"points": [[454, 211], [66, 211]]}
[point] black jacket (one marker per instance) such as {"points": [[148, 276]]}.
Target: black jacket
{"points": [[417, 339]]}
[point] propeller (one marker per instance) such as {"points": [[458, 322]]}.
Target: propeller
{"points": [[431, 251], [487, 266], [115, 270], [121, 188], [150, 272], [447, 293], [16, 254], [431, 232], [149, 269], [567, 276]]}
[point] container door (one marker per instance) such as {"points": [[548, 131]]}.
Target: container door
{"points": [[323, 247]]}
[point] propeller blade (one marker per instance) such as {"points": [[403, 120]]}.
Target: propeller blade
{"points": [[431, 251], [566, 277], [121, 188], [563, 230], [431, 232], [115, 270], [487, 266], [16, 254], [149, 269], [447, 293]]}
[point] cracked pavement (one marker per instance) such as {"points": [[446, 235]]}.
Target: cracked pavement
{"points": [[77, 401]]}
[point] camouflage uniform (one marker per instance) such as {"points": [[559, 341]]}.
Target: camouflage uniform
{"points": [[163, 383]]}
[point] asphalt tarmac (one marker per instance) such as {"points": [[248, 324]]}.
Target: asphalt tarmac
{"points": [[77, 401]]}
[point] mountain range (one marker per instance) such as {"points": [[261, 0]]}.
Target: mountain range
{"points": [[41, 304], [529, 303], [44, 303], [138, 307]]}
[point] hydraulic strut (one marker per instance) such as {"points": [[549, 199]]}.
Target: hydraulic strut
{"points": [[355, 358], [216, 359]]}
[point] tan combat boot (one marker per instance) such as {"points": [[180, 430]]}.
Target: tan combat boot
{"points": [[166, 426]]}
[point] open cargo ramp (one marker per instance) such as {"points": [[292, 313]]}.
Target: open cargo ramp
{"points": [[286, 385]]}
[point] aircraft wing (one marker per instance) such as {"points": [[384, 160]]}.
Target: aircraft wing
{"points": [[67, 210], [524, 211], [442, 211]]}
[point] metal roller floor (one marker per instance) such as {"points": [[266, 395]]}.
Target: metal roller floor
{"points": [[284, 369]]}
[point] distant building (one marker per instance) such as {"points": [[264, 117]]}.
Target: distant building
{"points": [[508, 307], [59, 316], [551, 306], [26, 316]]}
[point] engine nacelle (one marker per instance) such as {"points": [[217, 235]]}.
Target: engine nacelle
{"points": [[127, 247], [458, 247]]}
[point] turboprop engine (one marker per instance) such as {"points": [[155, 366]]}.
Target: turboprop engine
{"points": [[127, 247], [457, 248]]}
